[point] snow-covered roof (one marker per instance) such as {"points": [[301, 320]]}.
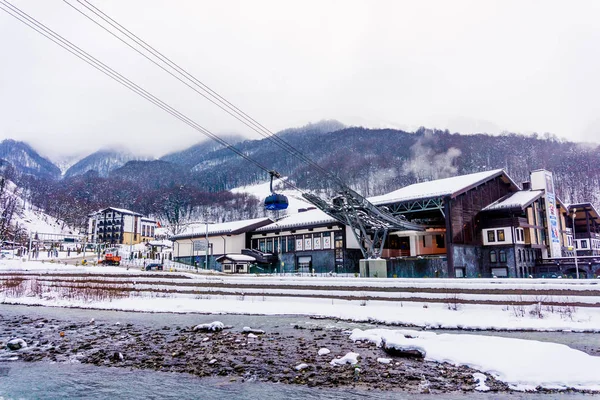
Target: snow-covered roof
{"points": [[164, 243], [225, 228], [305, 218], [237, 258], [440, 188], [519, 199], [119, 210]]}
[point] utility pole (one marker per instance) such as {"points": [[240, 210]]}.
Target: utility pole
{"points": [[206, 251], [575, 245]]}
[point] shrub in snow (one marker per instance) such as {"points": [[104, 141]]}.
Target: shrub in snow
{"points": [[350, 358], [213, 326], [323, 351]]}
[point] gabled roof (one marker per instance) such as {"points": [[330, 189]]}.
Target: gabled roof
{"points": [[451, 187], [306, 218], [519, 200], [580, 218], [225, 228], [236, 258]]}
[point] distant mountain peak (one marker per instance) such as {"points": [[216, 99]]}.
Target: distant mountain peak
{"points": [[322, 126], [103, 161], [26, 160]]}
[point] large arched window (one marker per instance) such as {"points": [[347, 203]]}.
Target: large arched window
{"points": [[493, 256], [502, 255]]}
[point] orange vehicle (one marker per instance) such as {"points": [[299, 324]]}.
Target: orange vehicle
{"points": [[110, 259]]}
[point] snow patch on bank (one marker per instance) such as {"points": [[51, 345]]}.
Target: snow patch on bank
{"points": [[522, 364]]}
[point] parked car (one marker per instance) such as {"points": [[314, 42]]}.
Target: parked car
{"points": [[156, 266]]}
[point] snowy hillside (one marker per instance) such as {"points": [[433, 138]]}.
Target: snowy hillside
{"points": [[262, 190], [103, 161], [35, 221], [25, 217], [25, 159]]}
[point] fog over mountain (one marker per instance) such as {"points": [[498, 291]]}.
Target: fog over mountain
{"points": [[371, 161]]}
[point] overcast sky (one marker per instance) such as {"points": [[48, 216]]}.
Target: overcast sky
{"points": [[468, 66]]}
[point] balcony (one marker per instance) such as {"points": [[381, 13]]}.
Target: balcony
{"points": [[390, 253], [587, 235]]}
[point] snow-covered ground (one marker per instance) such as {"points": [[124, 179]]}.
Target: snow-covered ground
{"points": [[523, 364], [36, 221], [274, 297]]}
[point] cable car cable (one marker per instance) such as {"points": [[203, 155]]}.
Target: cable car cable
{"points": [[225, 105], [40, 28]]}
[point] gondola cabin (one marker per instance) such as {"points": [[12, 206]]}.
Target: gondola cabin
{"points": [[275, 202]]}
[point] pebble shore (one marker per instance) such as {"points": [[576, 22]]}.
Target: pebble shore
{"points": [[291, 357]]}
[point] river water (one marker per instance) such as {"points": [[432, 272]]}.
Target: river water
{"points": [[42, 380]]}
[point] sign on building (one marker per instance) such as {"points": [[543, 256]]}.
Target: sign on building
{"points": [[200, 245], [543, 180]]}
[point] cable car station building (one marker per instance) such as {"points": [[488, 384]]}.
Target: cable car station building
{"points": [[476, 225]]}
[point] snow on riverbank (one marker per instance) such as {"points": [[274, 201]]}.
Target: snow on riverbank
{"points": [[476, 317], [276, 301], [522, 364]]}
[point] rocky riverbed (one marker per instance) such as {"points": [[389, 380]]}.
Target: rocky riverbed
{"points": [[290, 357]]}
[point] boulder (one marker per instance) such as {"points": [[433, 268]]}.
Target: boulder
{"points": [[403, 350], [16, 344]]}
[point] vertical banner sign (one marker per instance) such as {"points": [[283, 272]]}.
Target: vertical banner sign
{"points": [[553, 231]]}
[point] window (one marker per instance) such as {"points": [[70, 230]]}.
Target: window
{"points": [[491, 236], [290, 244], [269, 245], [519, 254], [493, 255], [500, 272], [500, 233], [261, 245], [584, 244], [502, 255], [459, 272], [440, 242]]}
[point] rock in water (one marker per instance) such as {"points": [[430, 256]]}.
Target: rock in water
{"points": [[409, 351], [16, 344], [213, 326]]}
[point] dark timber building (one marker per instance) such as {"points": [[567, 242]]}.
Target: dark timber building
{"points": [[476, 225]]}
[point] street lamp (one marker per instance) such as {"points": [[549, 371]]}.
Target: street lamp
{"points": [[575, 245]]}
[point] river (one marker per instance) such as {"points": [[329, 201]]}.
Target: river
{"points": [[43, 380]]}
